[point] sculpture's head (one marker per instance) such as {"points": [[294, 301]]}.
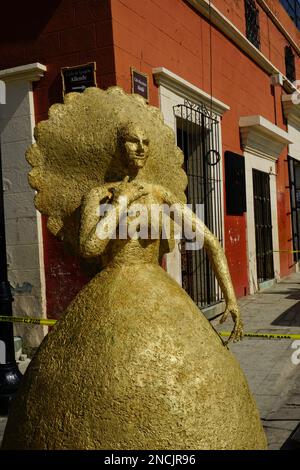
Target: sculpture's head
{"points": [[94, 138], [134, 146]]}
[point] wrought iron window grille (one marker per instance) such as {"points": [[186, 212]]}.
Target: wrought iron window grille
{"points": [[252, 22], [198, 130]]}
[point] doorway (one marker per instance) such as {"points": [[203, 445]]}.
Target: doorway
{"points": [[263, 226]]}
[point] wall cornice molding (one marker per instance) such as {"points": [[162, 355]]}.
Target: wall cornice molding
{"points": [[262, 137], [291, 108], [173, 82], [31, 72]]}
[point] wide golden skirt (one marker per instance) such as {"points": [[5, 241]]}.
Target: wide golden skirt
{"points": [[133, 364]]}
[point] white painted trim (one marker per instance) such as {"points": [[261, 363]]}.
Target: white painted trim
{"points": [[168, 99], [183, 88], [229, 30], [172, 92], [39, 228], [294, 131], [2, 352], [291, 108], [31, 72], [253, 161], [42, 269], [222, 196], [2, 92], [262, 137], [17, 121]]}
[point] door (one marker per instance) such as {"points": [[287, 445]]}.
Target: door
{"points": [[263, 226], [294, 175]]}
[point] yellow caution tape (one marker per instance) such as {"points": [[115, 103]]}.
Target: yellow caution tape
{"points": [[49, 322], [286, 251], [263, 335], [32, 321]]}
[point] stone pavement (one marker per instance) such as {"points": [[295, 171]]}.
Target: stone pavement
{"points": [[272, 376]]}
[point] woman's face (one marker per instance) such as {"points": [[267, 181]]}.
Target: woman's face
{"points": [[136, 148]]}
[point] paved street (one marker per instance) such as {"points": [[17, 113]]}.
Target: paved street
{"points": [[272, 376]]}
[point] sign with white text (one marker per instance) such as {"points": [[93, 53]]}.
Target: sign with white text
{"points": [[139, 83], [78, 78]]}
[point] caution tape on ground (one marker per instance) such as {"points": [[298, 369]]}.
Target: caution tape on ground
{"points": [[49, 322], [286, 251], [32, 321], [263, 335]]}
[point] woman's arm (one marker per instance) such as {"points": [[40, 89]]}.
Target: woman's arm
{"points": [[98, 229], [216, 256], [93, 242]]}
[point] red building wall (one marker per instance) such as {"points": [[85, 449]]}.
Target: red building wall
{"points": [[272, 40], [171, 34], [58, 33], [118, 34]]}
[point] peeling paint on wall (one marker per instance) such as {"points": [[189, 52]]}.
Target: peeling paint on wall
{"points": [[25, 288], [234, 236]]}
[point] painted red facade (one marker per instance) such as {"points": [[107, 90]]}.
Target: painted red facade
{"points": [[120, 34]]}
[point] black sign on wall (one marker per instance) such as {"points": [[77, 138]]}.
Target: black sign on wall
{"points": [[235, 183], [78, 78], [139, 83]]}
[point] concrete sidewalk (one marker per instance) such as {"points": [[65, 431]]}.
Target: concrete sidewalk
{"points": [[272, 376]]}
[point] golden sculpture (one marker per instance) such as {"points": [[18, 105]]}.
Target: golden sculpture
{"points": [[132, 364]]}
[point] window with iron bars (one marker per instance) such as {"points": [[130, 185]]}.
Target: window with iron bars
{"points": [[290, 70], [198, 131], [252, 22], [292, 7]]}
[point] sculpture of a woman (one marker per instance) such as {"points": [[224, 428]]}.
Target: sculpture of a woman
{"points": [[132, 364]]}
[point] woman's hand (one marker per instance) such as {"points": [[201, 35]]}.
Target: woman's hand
{"points": [[232, 308], [167, 196], [130, 191]]}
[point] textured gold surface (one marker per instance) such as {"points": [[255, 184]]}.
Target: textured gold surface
{"points": [[78, 149], [132, 364]]}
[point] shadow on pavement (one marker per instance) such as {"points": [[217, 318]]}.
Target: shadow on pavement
{"points": [[293, 441], [292, 294], [290, 317]]}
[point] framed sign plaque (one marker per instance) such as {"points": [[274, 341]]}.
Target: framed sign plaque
{"points": [[78, 78], [139, 83]]}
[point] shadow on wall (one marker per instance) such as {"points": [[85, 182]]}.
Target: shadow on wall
{"points": [[28, 18]]}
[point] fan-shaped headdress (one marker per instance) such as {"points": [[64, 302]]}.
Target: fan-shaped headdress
{"points": [[78, 148]]}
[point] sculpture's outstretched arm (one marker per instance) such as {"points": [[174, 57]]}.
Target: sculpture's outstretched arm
{"points": [[216, 256]]}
